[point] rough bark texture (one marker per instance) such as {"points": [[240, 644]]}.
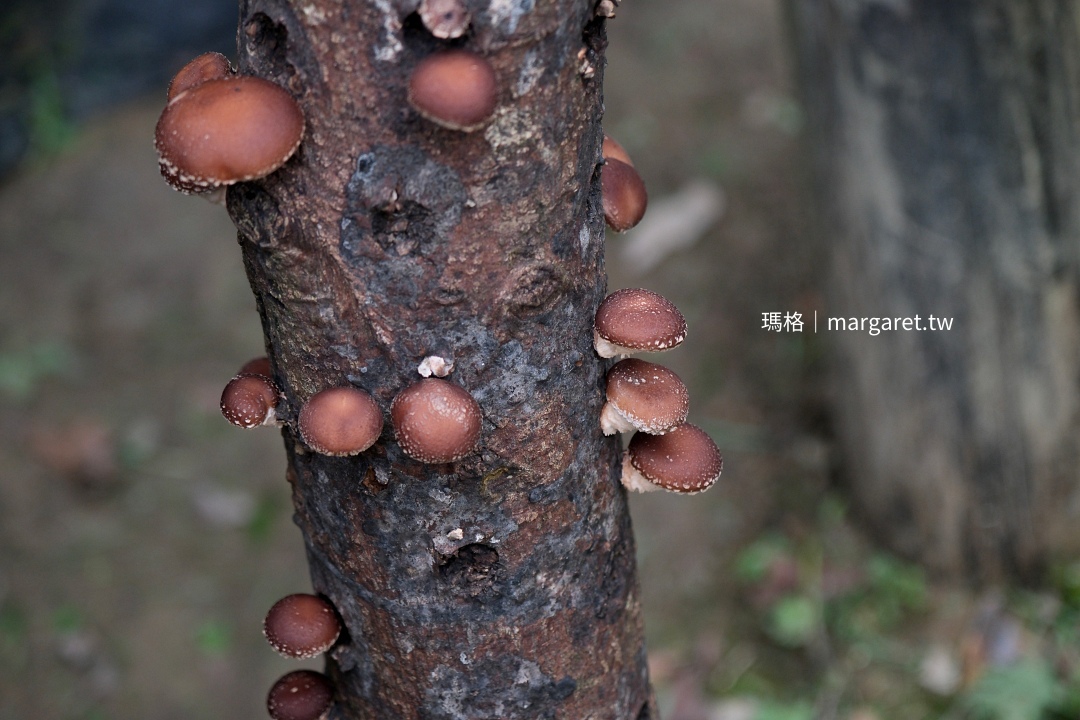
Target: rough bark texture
{"points": [[947, 143], [503, 585]]}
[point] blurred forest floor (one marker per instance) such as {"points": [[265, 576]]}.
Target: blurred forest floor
{"points": [[142, 538]]}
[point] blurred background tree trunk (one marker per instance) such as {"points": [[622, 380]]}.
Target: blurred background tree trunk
{"points": [[503, 585], [945, 139]]}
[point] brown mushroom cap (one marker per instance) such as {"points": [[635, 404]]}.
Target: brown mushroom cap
{"points": [[249, 400], [623, 195], [226, 131], [436, 421], [340, 421], [612, 150], [455, 89], [301, 626], [643, 396], [637, 320], [685, 460], [300, 695], [208, 66], [258, 366]]}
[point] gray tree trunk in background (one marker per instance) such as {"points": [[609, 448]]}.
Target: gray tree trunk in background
{"points": [[946, 142], [504, 585]]}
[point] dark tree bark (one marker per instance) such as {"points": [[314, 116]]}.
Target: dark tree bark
{"points": [[946, 138], [503, 585]]}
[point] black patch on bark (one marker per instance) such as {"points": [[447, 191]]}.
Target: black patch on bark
{"points": [[255, 213], [267, 42], [400, 200], [472, 571], [479, 690], [273, 45]]}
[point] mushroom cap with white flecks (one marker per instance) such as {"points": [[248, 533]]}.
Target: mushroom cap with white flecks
{"points": [[248, 401], [301, 626], [623, 195], [436, 421], [637, 320], [227, 130], [300, 695], [340, 421], [685, 460], [643, 396]]}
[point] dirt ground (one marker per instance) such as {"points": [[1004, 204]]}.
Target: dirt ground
{"points": [[142, 538]]}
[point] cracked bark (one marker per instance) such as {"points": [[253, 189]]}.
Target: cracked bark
{"points": [[946, 138], [503, 585]]}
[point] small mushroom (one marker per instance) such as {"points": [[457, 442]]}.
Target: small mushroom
{"points": [[208, 66], [445, 19], [585, 66], [301, 626], [436, 421], [257, 366], [685, 460], [612, 150], [643, 396], [622, 194], [340, 421], [225, 131], [636, 320], [300, 695], [248, 401], [455, 89], [435, 365]]}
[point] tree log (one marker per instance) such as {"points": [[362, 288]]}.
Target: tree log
{"points": [[503, 585], [946, 140]]}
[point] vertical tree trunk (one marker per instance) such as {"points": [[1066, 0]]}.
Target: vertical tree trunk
{"points": [[503, 585], [947, 141]]}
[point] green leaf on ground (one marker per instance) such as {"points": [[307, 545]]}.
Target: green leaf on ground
{"points": [[793, 621], [1018, 692]]}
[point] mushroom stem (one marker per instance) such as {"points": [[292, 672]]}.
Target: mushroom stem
{"points": [[613, 421], [632, 479]]}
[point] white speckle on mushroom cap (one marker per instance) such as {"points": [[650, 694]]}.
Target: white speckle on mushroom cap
{"points": [[685, 460], [636, 320]]}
